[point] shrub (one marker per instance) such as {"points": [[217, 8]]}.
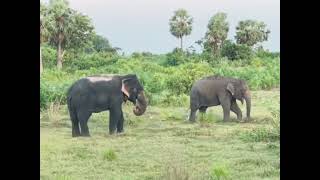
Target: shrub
{"points": [[141, 55], [269, 134], [49, 56], [219, 172], [53, 87], [53, 93], [260, 135], [95, 60], [236, 51], [43, 96], [260, 52], [176, 57], [109, 155], [182, 79], [163, 85], [275, 113]]}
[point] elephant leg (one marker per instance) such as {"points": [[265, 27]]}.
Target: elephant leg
{"points": [[226, 110], [192, 117], [115, 116], [74, 124], [226, 113], [235, 108], [120, 123], [83, 117]]}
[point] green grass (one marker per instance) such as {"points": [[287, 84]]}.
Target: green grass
{"points": [[109, 155], [161, 144]]}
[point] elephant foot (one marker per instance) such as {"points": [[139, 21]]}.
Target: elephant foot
{"points": [[122, 133], [112, 132], [76, 134], [192, 121], [226, 120], [120, 130], [86, 135]]}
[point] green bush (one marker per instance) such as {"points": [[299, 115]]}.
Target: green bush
{"points": [[52, 93], [54, 85], [141, 55], [43, 96], [219, 172], [182, 78], [260, 52], [49, 56], [166, 98], [258, 76], [109, 155], [236, 51], [260, 135], [266, 134], [94, 60], [176, 57], [164, 85]]}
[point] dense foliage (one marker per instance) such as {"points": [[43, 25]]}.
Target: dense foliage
{"points": [[235, 51], [251, 32], [217, 32], [165, 84]]}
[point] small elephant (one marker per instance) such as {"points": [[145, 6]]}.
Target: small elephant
{"points": [[98, 93], [218, 90]]}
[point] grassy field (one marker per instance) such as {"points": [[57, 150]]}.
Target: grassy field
{"points": [[162, 145]]}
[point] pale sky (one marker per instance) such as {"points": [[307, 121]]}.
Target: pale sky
{"points": [[143, 25]]}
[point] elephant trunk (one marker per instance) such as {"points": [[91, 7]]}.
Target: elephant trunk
{"points": [[247, 98], [141, 104]]}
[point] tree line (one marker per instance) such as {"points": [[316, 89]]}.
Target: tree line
{"points": [[66, 29], [248, 32]]}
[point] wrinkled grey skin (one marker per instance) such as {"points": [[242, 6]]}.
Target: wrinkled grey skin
{"points": [[218, 90], [99, 93]]}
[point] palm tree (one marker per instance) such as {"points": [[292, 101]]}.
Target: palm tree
{"points": [[58, 13], [180, 25], [44, 34], [68, 28]]}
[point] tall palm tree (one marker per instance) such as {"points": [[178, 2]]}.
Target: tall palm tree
{"points": [[44, 33], [181, 25], [58, 13]]}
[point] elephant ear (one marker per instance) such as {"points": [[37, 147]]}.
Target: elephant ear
{"points": [[124, 87], [230, 88]]}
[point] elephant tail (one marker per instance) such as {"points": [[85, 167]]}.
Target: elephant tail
{"points": [[72, 110], [69, 97]]}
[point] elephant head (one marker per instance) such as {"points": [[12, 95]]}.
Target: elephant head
{"points": [[240, 90], [132, 88]]}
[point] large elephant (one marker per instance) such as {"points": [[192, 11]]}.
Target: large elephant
{"points": [[94, 94], [218, 90]]}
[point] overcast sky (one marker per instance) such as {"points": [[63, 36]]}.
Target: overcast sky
{"points": [[143, 25]]}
